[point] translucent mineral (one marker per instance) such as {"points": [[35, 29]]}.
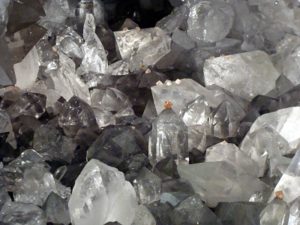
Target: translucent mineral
{"points": [[253, 71], [289, 181], [143, 216], [6, 126], [3, 16], [56, 209], [193, 211], [233, 155], [27, 70], [37, 184], [142, 48], [147, 186], [267, 147], [95, 59], [180, 93], [275, 213], [294, 217], [210, 21], [220, 182], [236, 213], [76, 114], [168, 138], [21, 213], [4, 197], [102, 195]]}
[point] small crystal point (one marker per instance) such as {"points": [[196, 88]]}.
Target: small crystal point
{"points": [[168, 137]]}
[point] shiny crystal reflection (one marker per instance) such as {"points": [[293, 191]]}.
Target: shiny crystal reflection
{"points": [[169, 112]]}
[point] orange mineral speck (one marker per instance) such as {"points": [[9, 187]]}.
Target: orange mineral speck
{"points": [[168, 105], [279, 195]]}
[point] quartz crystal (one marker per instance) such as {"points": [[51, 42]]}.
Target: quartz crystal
{"points": [[252, 70], [169, 137], [193, 211], [233, 155], [143, 216], [210, 21], [147, 186], [6, 126], [37, 184], [56, 209], [102, 195], [220, 182], [142, 48], [294, 217], [95, 59], [21, 213], [289, 181], [275, 213]]}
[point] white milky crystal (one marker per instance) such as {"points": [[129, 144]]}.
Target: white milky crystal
{"points": [[253, 71], [210, 21], [233, 155], [27, 70], [102, 195], [142, 48], [220, 182]]}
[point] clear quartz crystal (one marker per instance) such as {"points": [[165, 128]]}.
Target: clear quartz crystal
{"points": [[275, 213], [294, 217], [232, 154], [102, 195], [143, 216], [142, 48], [210, 21], [147, 186], [253, 71], [169, 137], [220, 182]]}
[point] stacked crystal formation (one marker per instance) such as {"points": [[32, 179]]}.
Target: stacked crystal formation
{"points": [[150, 112]]}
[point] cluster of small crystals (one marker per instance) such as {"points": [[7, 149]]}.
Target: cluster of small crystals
{"points": [[104, 120]]}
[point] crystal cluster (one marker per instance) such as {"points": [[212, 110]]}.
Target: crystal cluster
{"points": [[149, 112]]}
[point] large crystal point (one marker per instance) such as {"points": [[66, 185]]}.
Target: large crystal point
{"points": [[14, 213], [253, 71], [37, 184], [95, 59], [169, 137], [142, 48], [181, 93], [210, 21], [76, 114], [289, 182], [220, 182], [147, 186], [102, 195], [193, 211], [233, 155], [275, 213]]}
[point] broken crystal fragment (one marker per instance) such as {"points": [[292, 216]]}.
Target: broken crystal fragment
{"points": [[37, 184], [168, 138], [220, 182], [20, 213], [109, 197], [142, 48], [233, 155], [253, 71], [210, 21], [56, 209], [147, 186], [275, 213], [27, 70], [95, 59], [193, 211]]}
